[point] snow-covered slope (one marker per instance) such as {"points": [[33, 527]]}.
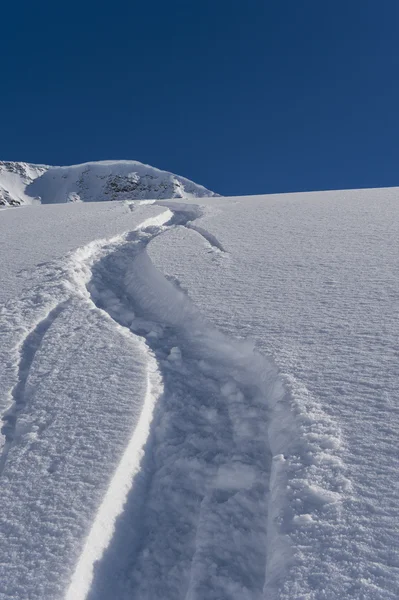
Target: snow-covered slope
{"points": [[15, 177], [23, 183], [200, 399]]}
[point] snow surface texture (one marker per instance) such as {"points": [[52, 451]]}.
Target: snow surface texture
{"points": [[151, 450], [23, 183]]}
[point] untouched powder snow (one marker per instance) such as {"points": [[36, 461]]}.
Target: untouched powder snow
{"points": [[24, 183], [199, 399]]}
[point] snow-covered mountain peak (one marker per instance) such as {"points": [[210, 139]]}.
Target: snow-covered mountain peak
{"points": [[25, 183], [14, 179]]}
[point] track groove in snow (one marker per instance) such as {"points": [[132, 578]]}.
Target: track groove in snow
{"points": [[27, 352], [209, 237], [184, 215], [194, 522], [115, 497]]}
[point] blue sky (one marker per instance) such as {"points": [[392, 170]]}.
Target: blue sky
{"points": [[244, 97]]}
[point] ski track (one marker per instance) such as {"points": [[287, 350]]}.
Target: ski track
{"points": [[184, 215], [194, 523], [199, 507], [19, 395], [112, 504], [209, 237]]}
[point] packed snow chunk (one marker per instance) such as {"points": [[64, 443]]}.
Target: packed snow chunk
{"points": [[304, 519], [144, 327], [315, 494], [230, 390], [174, 354], [235, 476]]}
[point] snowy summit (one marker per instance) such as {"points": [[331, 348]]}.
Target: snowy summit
{"points": [[24, 183], [199, 395]]}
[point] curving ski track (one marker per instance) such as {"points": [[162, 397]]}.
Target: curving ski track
{"points": [[194, 524], [19, 395]]}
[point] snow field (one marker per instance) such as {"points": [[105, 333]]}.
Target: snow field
{"points": [[141, 298], [64, 397], [154, 450], [311, 278]]}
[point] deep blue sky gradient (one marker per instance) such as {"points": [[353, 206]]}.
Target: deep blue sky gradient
{"points": [[244, 97]]}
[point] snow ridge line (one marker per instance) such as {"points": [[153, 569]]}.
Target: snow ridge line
{"points": [[19, 395]]}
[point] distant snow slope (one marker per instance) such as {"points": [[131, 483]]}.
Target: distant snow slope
{"points": [[24, 183], [200, 399]]}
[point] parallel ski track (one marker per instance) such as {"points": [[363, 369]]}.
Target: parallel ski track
{"points": [[19, 396]]}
